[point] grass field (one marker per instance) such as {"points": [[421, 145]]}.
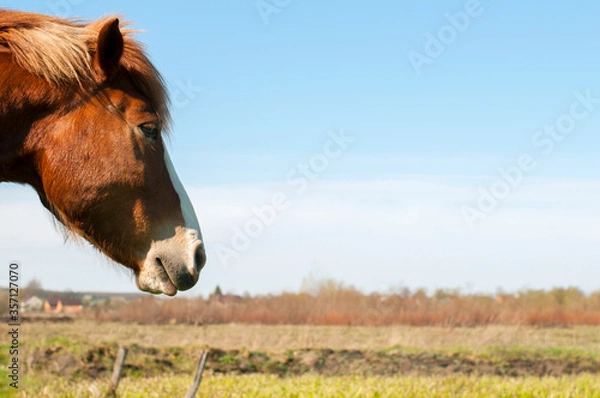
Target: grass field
{"points": [[317, 386], [75, 359], [283, 337]]}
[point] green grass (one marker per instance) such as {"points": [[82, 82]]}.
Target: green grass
{"points": [[316, 386], [161, 360]]}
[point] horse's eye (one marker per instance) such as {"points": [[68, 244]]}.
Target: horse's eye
{"points": [[150, 130]]}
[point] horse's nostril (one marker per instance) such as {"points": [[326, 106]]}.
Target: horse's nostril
{"points": [[199, 258], [159, 262]]}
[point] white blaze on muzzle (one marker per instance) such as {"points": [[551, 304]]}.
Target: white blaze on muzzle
{"points": [[174, 263], [189, 215], [192, 227]]}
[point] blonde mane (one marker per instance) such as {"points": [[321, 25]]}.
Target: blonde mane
{"points": [[60, 51]]}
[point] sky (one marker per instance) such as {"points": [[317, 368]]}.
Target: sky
{"points": [[381, 144]]}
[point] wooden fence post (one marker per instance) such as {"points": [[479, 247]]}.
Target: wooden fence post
{"points": [[117, 370], [197, 375]]}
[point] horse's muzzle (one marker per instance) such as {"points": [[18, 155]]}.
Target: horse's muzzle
{"points": [[173, 264]]}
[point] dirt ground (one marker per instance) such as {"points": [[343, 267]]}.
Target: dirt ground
{"points": [[97, 361]]}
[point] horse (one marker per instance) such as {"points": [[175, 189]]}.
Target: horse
{"points": [[83, 118]]}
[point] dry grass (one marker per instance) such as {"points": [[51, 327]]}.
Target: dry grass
{"points": [[500, 343], [283, 337], [330, 303]]}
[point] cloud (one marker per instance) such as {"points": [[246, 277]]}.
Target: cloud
{"points": [[374, 232], [384, 206], [371, 233]]}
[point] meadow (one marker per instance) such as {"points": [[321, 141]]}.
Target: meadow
{"points": [[314, 386], [74, 359], [331, 341]]}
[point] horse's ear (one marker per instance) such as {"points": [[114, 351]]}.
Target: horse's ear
{"points": [[109, 49]]}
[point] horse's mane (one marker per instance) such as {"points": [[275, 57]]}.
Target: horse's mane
{"points": [[60, 51]]}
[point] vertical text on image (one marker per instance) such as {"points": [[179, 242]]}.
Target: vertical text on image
{"points": [[13, 323]]}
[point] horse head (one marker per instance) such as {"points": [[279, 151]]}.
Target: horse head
{"points": [[95, 149]]}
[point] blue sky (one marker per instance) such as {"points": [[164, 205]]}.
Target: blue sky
{"points": [[253, 100]]}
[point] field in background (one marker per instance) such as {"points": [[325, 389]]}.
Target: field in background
{"points": [[332, 303], [75, 359], [328, 340], [284, 337]]}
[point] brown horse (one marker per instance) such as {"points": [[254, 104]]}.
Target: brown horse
{"points": [[82, 116]]}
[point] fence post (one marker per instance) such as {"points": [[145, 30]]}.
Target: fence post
{"points": [[117, 370], [197, 375]]}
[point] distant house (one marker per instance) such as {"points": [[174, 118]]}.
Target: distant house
{"points": [[32, 304], [63, 304], [225, 298], [218, 297]]}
